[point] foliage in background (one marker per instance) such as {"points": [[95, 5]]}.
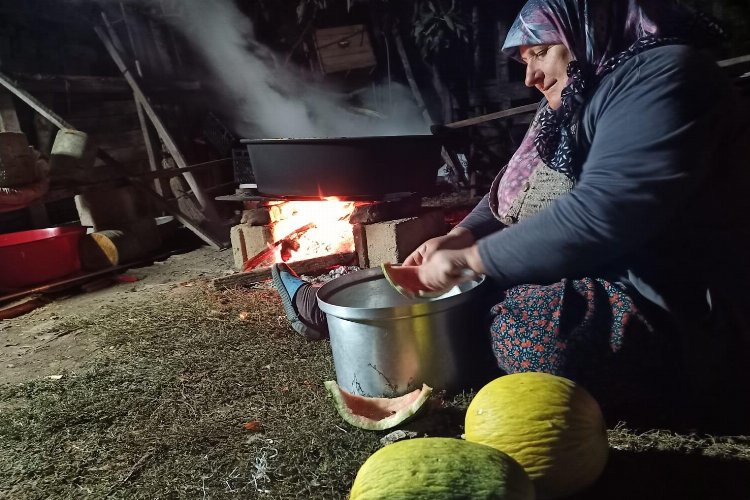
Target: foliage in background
{"points": [[439, 25]]}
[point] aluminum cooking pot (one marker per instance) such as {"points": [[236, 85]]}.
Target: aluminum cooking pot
{"points": [[354, 167], [386, 345]]}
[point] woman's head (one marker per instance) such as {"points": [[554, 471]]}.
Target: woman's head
{"points": [[546, 69], [589, 31]]}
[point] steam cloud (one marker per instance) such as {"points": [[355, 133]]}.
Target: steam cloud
{"points": [[271, 100]]}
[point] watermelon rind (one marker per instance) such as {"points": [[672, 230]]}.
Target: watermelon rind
{"points": [[403, 415]]}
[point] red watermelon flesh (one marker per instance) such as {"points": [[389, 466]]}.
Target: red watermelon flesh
{"points": [[405, 279]]}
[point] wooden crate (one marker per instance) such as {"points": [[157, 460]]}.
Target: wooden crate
{"points": [[344, 48]]}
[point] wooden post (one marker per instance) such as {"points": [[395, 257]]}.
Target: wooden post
{"points": [[161, 186], [410, 77]]}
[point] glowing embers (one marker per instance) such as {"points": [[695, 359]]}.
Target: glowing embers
{"points": [[307, 229]]}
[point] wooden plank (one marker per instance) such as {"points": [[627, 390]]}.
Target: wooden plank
{"points": [[116, 124], [734, 61], [309, 266], [204, 200], [529, 108], [40, 108], [150, 141], [106, 109], [340, 31], [23, 306]]}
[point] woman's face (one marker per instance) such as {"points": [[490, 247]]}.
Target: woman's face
{"points": [[547, 69]]}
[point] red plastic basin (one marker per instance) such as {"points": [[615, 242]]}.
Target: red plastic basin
{"points": [[38, 256]]}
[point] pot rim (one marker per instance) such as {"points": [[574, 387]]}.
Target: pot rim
{"points": [[418, 307]]}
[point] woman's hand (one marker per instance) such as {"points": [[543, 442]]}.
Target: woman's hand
{"points": [[456, 239], [445, 268]]}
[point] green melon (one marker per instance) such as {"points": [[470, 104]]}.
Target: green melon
{"points": [[377, 414], [548, 424], [441, 469]]}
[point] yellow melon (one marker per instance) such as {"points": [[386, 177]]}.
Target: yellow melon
{"points": [[548, 424], [440, 469]]}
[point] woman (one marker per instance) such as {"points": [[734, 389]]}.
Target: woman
{"points": [[617, 232]]}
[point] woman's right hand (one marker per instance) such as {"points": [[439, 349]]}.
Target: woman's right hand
{"points": [[457, 239]]}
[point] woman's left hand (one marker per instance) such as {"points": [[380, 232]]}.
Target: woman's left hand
{"points": [[446, 268]]}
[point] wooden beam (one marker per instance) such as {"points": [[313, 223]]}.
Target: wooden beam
{"points": [[309, 266], [34, 103], [85, 84], [734, 61], [529, 108], [205, 201], [150, 141]]}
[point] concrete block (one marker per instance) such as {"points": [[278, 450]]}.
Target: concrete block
{"points": [[393, 241], [238, 246], [256, 239]]}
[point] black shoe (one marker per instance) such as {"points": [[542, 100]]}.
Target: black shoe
{"points": [[283, 276]]}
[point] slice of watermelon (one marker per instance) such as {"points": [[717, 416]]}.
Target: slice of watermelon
{"points": [[377, 414], [405, 279]]}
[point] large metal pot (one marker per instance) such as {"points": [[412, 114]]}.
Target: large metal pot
{"points": [[352, 167], [386, 345]]}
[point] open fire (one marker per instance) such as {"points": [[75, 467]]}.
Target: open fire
{"points": [[306, 229]]}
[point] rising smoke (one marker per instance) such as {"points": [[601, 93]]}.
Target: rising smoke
{"points": [[271, 100]]}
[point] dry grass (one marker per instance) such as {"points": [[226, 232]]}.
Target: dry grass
{"points": [[160, 413]]}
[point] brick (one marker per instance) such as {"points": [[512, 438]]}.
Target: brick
{"points": [[393, 241]]}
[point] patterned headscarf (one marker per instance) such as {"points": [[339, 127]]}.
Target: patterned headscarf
{"points": [[600, 36]]}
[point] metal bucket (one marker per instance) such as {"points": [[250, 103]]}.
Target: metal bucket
{"points": [[386, 345]]}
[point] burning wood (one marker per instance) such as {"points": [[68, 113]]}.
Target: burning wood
{"points": [[269, 252]]}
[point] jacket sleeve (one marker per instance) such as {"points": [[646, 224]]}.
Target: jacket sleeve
{"points": [[480, 221], [655, 122]]}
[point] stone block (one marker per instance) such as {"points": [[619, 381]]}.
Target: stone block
{"points": [[238, 246], [248, 241], [393, 241], [256, 238]]}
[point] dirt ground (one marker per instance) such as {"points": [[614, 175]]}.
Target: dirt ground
{"points": [[35, 346], [167, 388]]}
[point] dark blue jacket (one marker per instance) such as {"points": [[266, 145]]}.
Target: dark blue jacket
{"points": [[663, 199]]}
